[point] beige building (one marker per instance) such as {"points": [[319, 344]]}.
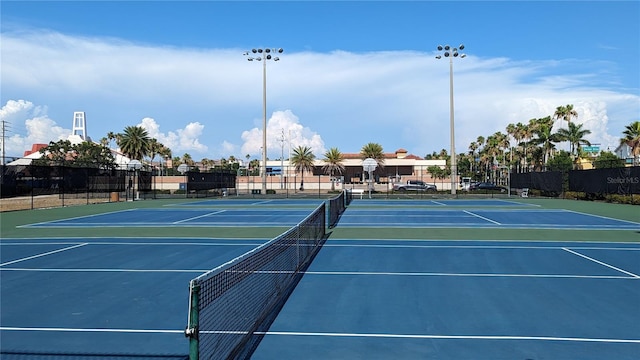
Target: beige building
{"points": [[399, 166]]}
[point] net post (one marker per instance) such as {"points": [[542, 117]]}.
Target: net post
{"points": [[192, 327], [298, 250]]}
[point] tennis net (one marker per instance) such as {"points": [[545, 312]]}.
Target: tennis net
{"points": [[337, 206], [233, 305]]}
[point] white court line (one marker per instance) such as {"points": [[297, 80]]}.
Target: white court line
{"points": [[601, 263], [482, 217], [43, 254], [149, 331], [603, 217], [438, 203], [336, 273], [497, 275], [75, 218], [327, 334], [197, 217], [261, 202], [427, 336], [188, 271], [258, 242]]}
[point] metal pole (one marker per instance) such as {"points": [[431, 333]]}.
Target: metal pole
{"points": [[263, 169], [453, 139]]}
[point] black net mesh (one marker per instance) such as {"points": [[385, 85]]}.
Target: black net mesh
{"points": [[238, 301]]}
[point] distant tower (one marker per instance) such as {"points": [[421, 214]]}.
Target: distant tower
{"points": [[80, 125]]}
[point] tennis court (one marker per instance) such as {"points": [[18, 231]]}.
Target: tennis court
{"points": [[395, 279], [385, 299]]}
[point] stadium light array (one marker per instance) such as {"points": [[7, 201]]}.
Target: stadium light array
{"points": [[451, 52], [264, 55]]}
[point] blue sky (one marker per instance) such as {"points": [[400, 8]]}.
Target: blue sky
{"points": [[352, 72]]}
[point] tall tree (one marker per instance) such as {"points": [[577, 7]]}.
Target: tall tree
{"points": [[544, 136], [565, 113], [574, 134], [187, 159], [165, 152], [333, 159], [134, 142], [632, 138], [302, 160], [154, 148]]}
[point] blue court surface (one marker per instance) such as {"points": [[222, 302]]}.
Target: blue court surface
{"points": [[360, 299], [174, 217], [356, 203], [480, 218], [235, 202], [394, 214], [462, 300], [103, 295]]}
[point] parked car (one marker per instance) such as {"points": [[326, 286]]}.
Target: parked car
{"points": [[486, 186], [415, 185]]}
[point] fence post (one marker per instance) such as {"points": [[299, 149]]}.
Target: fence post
{"points": [[192, 327]]}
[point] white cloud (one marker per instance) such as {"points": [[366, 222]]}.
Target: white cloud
{"points": [[284, 132], [33, 123], [208, 102], [179, 141]]}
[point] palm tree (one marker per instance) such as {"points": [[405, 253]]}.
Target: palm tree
{"points": [[187, 159], [545, 137], [529, 147], [333, 163], [565, 113], [112, 136], [373, 151], [494, 146], [512, 131], [254, 166], [574, 134], [134, 142], [206, 164], [155, 147], [302, 159], [165, 153], [472, 152], [632, 138]]}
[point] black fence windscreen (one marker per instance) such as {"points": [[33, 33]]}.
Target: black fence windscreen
{"points": [[29, 180], [219, 179], [622, 181], [550, 181]]}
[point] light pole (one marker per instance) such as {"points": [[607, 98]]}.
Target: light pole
{"points": [[264, 55], [451, 53], [282, 139]]}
